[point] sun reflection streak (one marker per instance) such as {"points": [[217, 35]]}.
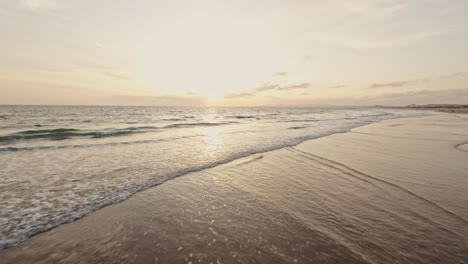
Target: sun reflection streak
{"points": [[213, 140], [213, 133]]}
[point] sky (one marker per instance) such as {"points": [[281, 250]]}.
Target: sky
{"points": [[233, 53]]}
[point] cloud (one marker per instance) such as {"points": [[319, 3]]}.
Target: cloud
{"points": [[239, 95], [36, 4], [268, 87], [396, 84], [295, 86], [391, 23], [416, 81], [448, 96], [463, 92], [162, 100], [277, 87], [21, 91], [454, 75], [335, 86], [280, 74], [115, 75], [93, 65], [104, 69], [307, 57]]}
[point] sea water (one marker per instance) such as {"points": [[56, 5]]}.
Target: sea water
{"points": [[59, 163]]}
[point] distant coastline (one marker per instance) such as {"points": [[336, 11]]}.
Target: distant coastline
{"points": [[447, 108]]}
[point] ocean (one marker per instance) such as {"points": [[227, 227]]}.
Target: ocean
{"points": [[60, 163]]}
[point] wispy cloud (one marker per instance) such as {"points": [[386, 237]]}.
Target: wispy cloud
{"points": [[36, 4], [391, 23], [460, 74], [335, 86], [239, 95], [454, 75], [295, 86], [270, 87], [280, 74], [267, 87], [162, 100], [307, 57], [448, 96], [396, 84], [93, 65], [105, 69], [115, 75], [454, 96]]}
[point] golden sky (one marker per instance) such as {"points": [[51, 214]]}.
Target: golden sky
{"points": [[233, 53]]}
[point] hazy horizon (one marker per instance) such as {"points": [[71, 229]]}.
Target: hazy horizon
{"points": [[312, 106], [211, 53]]}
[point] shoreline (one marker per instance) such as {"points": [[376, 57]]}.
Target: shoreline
{"points": [[70, 237], [158, 182]]}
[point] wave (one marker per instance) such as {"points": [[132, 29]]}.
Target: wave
{"points": [[173, 119], [68, 133], [305, 120], [148, 141], [57, 130], [202, 124], [377, 115], [14, 149], [242, 117], [141, 128]]}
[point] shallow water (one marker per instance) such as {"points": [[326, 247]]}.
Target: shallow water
{"points": [[58, 164], [283, 206]]}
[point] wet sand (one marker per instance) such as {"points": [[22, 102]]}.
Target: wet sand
{"points": [[390, 192]]}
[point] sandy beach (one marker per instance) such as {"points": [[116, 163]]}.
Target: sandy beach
{"points": [[270, 132], [389, 192]]}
